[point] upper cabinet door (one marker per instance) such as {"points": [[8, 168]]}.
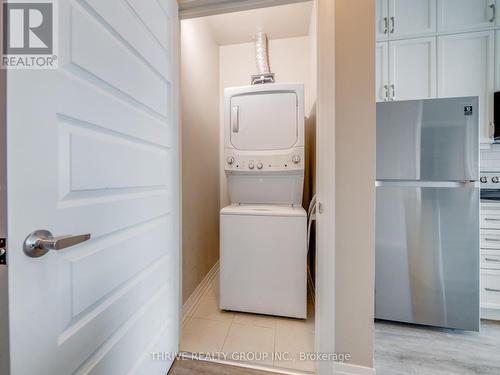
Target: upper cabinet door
{"points": [[464, 15], [466, 68], [382, 72], [409, 18], [382, 20], [412, 73]]}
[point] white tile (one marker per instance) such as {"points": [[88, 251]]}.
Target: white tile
{"points": [[293, 339], [208, 308], [255, 320], [203, 335], [250, 341]]}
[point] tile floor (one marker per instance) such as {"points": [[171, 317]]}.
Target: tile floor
{"points": [[210, 330]]}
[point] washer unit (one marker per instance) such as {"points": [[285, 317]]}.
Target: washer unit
{"points": [[263, 231]]}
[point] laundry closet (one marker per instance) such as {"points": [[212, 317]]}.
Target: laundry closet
{"points": [[248, 93]]}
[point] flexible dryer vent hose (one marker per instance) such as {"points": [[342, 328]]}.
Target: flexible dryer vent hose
{"points": [[261, 53]]}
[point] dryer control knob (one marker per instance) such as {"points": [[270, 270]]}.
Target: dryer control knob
{"points": [[495, 180], [296, 159], [259, 165], [484, 180], [251, 166], [230, 160]]}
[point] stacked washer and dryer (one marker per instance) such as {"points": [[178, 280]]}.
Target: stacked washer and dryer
{"points": [[263, 231]]}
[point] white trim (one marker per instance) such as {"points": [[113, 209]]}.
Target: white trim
{"points": [[195, 297], [347, 369], [202, 8], [325, 185], [276, 370]]}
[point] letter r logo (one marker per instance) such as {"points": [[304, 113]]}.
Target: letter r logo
{"points": [[27, 28]]}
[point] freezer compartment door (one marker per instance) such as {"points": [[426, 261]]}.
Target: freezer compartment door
{"points": [[427, 256], [431, 139]]}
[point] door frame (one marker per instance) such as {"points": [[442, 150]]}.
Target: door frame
{"points": [[325, 150], [324, 329]]}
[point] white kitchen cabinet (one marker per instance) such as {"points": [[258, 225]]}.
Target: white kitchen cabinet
{"points": [[497, 61], [406, 69], [382, 72], [464, 15], [466, 68], [412, 69], [490, 261], [411, 18], [382, 19], [396, 19]]}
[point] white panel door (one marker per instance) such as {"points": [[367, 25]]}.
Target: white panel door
{"points": [[465, 68], [463, 15], [93, 148], [410, 18], [412, 73], [382, 71], [382, 19]]}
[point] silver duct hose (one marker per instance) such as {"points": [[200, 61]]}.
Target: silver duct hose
{"points": [[261, 53]]}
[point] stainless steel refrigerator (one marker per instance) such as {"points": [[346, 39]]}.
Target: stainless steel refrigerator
{"points": [[427, 212]]}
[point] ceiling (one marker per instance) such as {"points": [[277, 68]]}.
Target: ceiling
{"points": [[284, 21]]}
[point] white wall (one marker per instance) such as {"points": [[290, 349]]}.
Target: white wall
{"points": [[289, 60], [200, 152]]}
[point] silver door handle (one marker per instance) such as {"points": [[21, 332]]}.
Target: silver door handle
{"points": [[492, 239], [392, 25], [492, 290], [491, 260], [235, 121], [386, 25], [40, 242], [493, 12], [490, 219]]}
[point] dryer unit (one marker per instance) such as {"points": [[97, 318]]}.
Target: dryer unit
{"points": [[263, 231]]}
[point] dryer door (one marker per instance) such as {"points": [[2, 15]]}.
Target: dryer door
{"points": [[263, 121]]}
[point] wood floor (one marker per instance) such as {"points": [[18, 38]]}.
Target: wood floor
{"points": [[416, 350], [191, 367]]}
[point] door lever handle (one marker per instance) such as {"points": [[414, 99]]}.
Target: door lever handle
{"points": [[40, 242]]}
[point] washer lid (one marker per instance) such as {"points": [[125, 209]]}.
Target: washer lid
{"points": [[263, 120], [263, 210]]}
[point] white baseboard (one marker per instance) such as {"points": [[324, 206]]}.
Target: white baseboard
{"points": [[347, 369], [195, 297]]}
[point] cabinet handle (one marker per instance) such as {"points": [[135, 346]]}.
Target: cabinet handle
{"points": [[493, 12], [491, 239], [386, 25], [491, 260], [386, 97], [393, 96], [492, 290], [392, 25]]}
